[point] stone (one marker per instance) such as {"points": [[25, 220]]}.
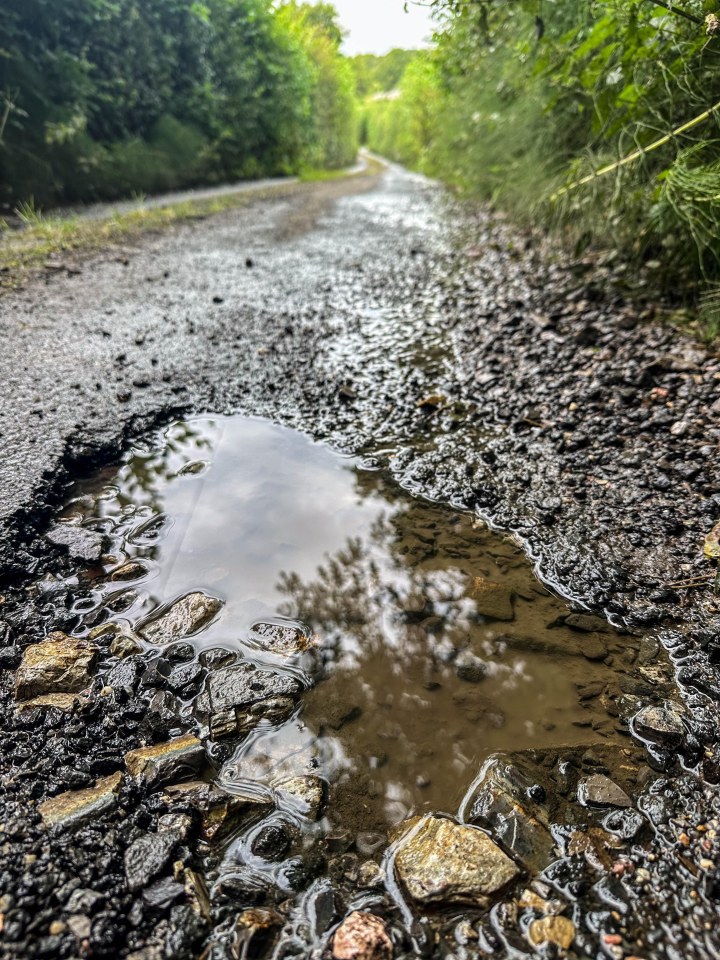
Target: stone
{"points": [[442, 861], [80, 543], [594, 648], [76, 807], [83, 900], [585, 623], [237, 697], [662, 725], [600, 791], [220, 812], [557, 930], [164, 763], [66, 702], [308, 793], [132, 570], [163, 893], [126, 674], [183, 618], [469, 667], [283, 639], [124, 645], [500, 800], [492, 600], [362, 936], [147, 858], [60, 664]]}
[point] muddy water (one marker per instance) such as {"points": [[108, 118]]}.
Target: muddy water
{"points": [[434, 645]]}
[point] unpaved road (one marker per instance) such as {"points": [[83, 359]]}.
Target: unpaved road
{"points": [[369, 313]]}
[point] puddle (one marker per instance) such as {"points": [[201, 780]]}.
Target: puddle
{"points": [[438, 647]]}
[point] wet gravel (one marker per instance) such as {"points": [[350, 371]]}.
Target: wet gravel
{"points": [[484, 373]]}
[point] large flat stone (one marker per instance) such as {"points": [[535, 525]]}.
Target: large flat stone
{"points": [[184, 618], [76, 807], [60, 664], [168, 762], [444, 862]]}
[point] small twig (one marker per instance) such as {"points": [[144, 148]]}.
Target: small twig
{"points": [[692, 582], [671, 8]]}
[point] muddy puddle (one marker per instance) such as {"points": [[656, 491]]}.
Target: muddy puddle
{"points": [[324, 630]]}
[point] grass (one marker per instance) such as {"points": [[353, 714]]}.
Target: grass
{"points": [[45, 241]]}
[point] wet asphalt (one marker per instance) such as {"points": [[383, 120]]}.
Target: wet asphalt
{"points": [[479, 367]]}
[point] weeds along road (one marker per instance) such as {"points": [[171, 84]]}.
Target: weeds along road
{"points": [[371, 312]]}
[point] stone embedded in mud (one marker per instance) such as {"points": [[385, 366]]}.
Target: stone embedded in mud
{"points": [[499, 800], [183, 618], [492, 600], [60, 664], [236, 698], [585, 623], [167, 762], [557, 930], [662, 725], [221, 812], [66, 702], [76, 807], [280, 638], [594, 648], [147, 857], [600, 791], [362, 936], [80, 543], [470, 667], [309, 792], [442, 861]]}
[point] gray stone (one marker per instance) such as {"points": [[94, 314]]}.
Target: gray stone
{"points": [[661, 725], [76, 807], [236, 698], [60, 664], [280, 638], [441, 861], [80, 543], [147, 857], [600, 791], [183, 618], [221, 812], [164, 763], [585, 623]]}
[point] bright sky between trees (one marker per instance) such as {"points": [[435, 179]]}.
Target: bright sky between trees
{"points": [[376, 26]]}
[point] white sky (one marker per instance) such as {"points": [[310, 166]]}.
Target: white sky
{"points": [[376, 26]]}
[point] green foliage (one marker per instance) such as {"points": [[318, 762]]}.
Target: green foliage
{"points": [[102, 97], [380, 74], [536, 104]]}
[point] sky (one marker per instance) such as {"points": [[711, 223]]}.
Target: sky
{"points": [[376, 26]]}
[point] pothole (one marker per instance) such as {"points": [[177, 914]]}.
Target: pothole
{"points": [[342, 661]]}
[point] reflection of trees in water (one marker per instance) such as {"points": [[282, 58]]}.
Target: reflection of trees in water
{"points": [[142, 481], [394, 589]]}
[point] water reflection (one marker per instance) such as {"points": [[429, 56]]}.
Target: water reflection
{"points": [[437, 645]]}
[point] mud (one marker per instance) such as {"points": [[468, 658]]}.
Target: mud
{"points": [[477, 372]]}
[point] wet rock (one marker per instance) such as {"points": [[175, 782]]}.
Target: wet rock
{"points": [[441, 861], [60, 664], [255, 925], [220, 812], [167, 762], [283, 639], [600, 791], [163, 893], [662, 725], [147, 857], [65, 702], [77, 807], [625, 824], [362, 936], [557, 930], [183, 618], [308, 793], [501, 800], [237, 697], [470, 667], [80, 543], [492, 600], [124, 646], [585, 623], [132, 570], [126, 674], [271, 842], [83, 900]]}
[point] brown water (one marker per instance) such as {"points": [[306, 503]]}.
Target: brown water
{"points": [[400, 594]]}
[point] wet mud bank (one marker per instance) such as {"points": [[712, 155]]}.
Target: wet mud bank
{"points": [[483, 382]]}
